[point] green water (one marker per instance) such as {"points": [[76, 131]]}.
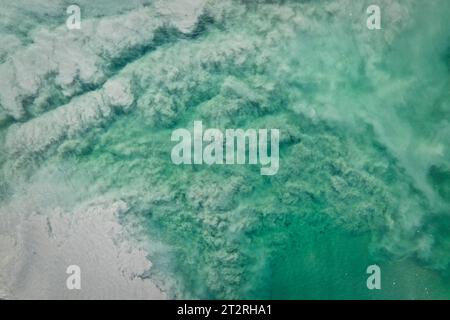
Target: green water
{"points": [[364, 152]]}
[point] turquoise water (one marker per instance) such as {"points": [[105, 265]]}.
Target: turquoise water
{"points": [[364, 172]]}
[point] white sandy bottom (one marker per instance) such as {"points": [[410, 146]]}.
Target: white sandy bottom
{"points": [[37, 250]]}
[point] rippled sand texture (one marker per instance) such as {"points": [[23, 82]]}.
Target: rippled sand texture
{"points": [[86, 176]]}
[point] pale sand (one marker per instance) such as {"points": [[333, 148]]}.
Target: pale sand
{"points": [[37, 249]]}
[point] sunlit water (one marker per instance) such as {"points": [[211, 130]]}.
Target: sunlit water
{"points": [[364, 172]]}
